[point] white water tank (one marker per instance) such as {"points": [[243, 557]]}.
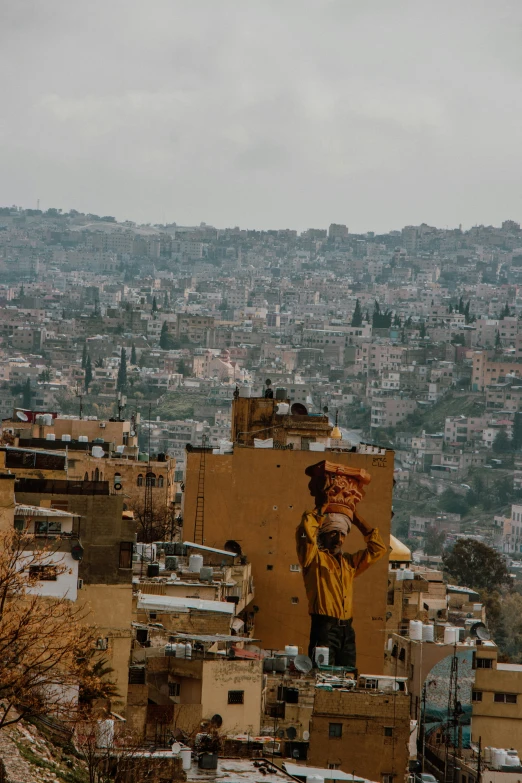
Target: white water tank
{"points": [[408, 574], [188, 650], [50, 436], [66, 437], [83, 439], [195, 563], [451, 635], [97, 451], [186, 758], [245, 391], [428, 633], [399, 575], [291, 650], [415, 630], [322, 656], [48, 420], [498, 756], [180, 650]]}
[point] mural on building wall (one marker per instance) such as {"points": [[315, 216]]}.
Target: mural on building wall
{"points": [[328, 572], [447, 701]]}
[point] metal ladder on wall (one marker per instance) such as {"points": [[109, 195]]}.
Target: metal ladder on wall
{"points": [[199, 522]]}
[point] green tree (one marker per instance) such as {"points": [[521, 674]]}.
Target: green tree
{"points": [[397, 320], [473, 564], [88, 373], [133, 359], [27, 394], [422, 330], [164, 337], [182, 368], [505, 312], [166, 301], [84, 356], [99, 362], [357, 318], [498, 341], [434, 541], [121, 381], [45, 376], [516, 440], [154, 305], [501, 444], [455, 504]]}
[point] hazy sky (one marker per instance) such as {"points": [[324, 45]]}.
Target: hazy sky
{"points": [[264, 113]]}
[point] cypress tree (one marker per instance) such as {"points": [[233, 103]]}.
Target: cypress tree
{"points": [[84, 356], [133, 359], [357, 318], [88, 373], [164, 337], [121, 382]]}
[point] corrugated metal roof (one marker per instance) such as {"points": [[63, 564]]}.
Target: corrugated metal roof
{"points": [[41, 511], [170, 603]]}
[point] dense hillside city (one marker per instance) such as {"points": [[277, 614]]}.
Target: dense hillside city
{"points": [[164, 391]]}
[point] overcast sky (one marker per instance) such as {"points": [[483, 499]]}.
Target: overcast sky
{"points": [[264, 113]]}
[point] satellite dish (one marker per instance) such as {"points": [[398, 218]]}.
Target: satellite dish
{"points": [[217, 720], [295, 754], [306, 736], [303, 663], [176, 747], [479, 631], [22, 416], [298, 409], [280, 733], [291, 732], [132, 433]]}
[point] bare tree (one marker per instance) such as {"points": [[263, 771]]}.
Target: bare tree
{"points": [[41, 639]]}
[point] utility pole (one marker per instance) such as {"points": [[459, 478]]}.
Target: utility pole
{"points": [[80, 397]]}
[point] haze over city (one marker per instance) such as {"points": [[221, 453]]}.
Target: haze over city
{"points": [[264, 115]]}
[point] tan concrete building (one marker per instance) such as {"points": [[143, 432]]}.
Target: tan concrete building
{"points": [[365, 731], [255, 499], [490, 369], [497, 700], [258, 418]]}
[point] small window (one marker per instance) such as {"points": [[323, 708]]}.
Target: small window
{"points": [[126, 548], [335, 730], [387, 777], [174, 689], [484, 663], [505, 698], [140, 480], [151, 479], [47, 527], [43, 573], [160, 481], [334, 766], [236, 697], [388, 731], [270, 568], [295, 599], [476, 696], [295, 568]]}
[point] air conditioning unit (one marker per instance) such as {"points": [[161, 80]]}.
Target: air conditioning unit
{"points": [[79, 584], [102, 425]]}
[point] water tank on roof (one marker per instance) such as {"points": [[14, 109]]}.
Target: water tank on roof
{"points": [[83, 439], [171, 563], [428, 633], [415, 630], [48, 420], [50, 436], [98, 440], [451, 635], [195, 563], [97, 451], [66, 438], [206, 574], [153, 569]]}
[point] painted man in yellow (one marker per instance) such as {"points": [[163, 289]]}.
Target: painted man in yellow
{"points": [[328, 572]]}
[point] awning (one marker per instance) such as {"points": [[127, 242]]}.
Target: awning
{"points": [[192, 545], [298, 771], [41, 511], [237, 624], [170, 603]]}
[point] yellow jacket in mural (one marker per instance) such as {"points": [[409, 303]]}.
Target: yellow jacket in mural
{"points": [[329, 579]]}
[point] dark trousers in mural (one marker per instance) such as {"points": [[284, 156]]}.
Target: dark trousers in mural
{"points": [[337, 635]]}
